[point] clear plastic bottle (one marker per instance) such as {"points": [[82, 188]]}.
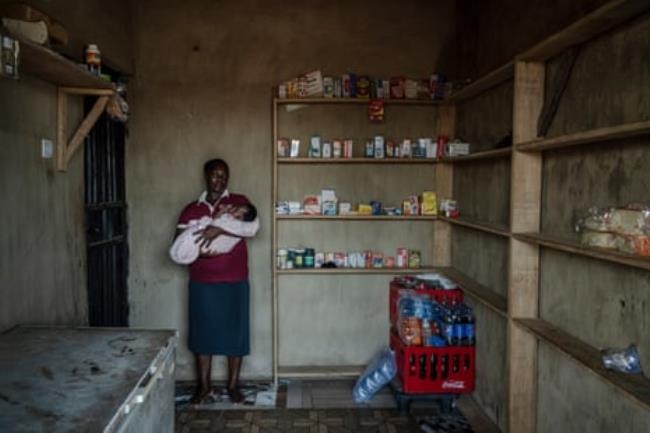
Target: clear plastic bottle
{"points": [[426, 332]]}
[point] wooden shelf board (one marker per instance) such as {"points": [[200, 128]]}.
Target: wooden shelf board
{"points": [[575, 248], [52, 67], [486, 154], [611, 133], [354, 271], [357, 217], [496, 302], [353, 101], [495, 229], [599, 21], [486, 82], [319, 371], [356, 160], [634, 386]]}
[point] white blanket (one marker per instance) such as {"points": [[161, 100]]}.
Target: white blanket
{"points": [[185, 250]]}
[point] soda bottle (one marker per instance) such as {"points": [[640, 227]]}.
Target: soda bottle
{"points": [[426, 332]]}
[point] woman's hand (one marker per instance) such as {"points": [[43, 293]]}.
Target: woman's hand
{"points": [[207, 235]]}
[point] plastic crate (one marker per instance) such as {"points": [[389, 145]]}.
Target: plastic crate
{"points": [[427, 370], [439, 295]]}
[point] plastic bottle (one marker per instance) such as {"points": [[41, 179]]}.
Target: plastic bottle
{"points": [[93, 59], [426, 332]]}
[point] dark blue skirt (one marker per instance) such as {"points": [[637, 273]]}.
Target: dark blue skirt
{"points": [[219, 318]]}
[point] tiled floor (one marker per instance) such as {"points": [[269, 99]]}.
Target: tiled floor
{"points": [[324, 407]]}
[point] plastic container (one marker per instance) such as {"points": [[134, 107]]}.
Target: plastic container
{"points": [[93, 59], [427, 370]]}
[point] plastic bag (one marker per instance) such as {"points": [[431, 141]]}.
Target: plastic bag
{"points": [[378, 373], [624, 360]]}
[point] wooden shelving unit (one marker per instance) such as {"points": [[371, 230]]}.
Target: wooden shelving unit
{"points": [[486, 227], [575, 248], [357, 218], [594, 136], [281, 275], [71, 79], [520, 306], [485, 154], [634, 386], [357, 160], [355, 271], [319, 371], [494, 301], [354, 101]]}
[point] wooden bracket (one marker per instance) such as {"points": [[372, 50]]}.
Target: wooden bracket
{"points": [[65, 149]]}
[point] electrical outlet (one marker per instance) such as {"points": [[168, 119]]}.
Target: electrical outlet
{"points": [[47, 148]]}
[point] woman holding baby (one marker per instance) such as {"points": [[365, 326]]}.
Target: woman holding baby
{"points": [[218, 287]]}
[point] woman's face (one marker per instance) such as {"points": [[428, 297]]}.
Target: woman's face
{"points": [[216, 181]]}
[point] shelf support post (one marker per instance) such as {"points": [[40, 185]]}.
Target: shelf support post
{"points": [[523, 275], [66, 149], [444, 187]]}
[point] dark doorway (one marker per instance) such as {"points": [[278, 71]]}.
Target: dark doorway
{"points": [[106, 226]]}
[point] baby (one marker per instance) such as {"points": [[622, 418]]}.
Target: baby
{"points": [[239, 220]]}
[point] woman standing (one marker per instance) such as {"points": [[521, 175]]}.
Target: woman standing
{"points": [[219, 289]]}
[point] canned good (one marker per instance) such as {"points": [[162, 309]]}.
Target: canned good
{"points": [[402, 257], [414, 259], [282, 91], [328, 87], [309, 258], [337, 148]]}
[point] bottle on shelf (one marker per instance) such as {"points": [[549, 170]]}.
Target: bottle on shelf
{"points": [[93, 59]]}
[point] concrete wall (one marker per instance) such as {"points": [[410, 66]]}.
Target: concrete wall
{"points": [[204, 74], [600, 303], [42, 243]]}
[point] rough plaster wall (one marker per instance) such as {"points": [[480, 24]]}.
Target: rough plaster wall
{"points": [[42, 244], [606, 305], [203, 88]]}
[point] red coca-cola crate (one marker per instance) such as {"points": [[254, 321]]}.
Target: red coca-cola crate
{"points": [[428, 370], [439, 295]]}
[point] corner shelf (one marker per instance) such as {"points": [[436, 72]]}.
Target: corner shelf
{"points": [[71, 79], [495, 229], [599, 21], [356, 160], [354, 271], [575, 248], [356, 218], [486, 82], [634, 386], [593, 136], [319, 371], [494, 301], [486, 154], [353, 101]]}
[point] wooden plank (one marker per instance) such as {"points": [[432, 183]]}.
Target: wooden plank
{"points": [[83, 129], [487, 82], [355, 271], [482, 294], [593, 136], [47, 65], [319, 371], [599, 21], [357, 160], [61, 121], [593, 252], [523, 275], [353, 101], [634, 386], [358, 217], [274, 244], [444, 187], [87, 92], [486, 154], [496, 229]]}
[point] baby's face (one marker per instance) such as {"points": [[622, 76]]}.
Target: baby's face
{"points": [[238, 212]]}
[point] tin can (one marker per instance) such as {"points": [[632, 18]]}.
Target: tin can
{"points": [[346, 85], [367, 259], [347, 148], [402, 257], [389, 262], [370, 149], [309, 258], [299, 259], [377, 260], [337, 148], [328, 87], [414, 259]]}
